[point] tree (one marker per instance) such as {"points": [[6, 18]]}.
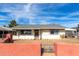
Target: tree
{"points": [[12, 23], [4, 25]]}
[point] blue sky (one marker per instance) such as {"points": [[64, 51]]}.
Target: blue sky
{"points": [[66, 14]]}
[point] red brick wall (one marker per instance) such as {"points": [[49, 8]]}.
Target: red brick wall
{"points": [[66, 49], [33, 49]]}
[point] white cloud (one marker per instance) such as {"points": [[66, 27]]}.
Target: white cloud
{"points": [[2, 17], [71, 24], [70, 15], [73, 14], [57, 5], [27, 11], [27, 8]]}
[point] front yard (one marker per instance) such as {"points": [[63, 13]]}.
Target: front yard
{"points": [[47, 45]]}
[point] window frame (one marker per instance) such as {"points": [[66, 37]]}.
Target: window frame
{"points": [[54, 32], [26, 33]]}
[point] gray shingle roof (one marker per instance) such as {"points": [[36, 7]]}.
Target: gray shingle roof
{"points": [[43, 26], [5, 29]]}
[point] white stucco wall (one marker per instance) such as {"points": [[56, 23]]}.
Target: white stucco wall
{"points": [[46, 34]]}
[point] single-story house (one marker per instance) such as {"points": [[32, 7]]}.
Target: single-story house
{"points": [[3, 31], [50, 31]]}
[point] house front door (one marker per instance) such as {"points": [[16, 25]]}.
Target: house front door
{"points": [[36, 34]]}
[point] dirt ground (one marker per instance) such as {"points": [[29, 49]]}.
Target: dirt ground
{"points": [[67, 40], [47, 43]]}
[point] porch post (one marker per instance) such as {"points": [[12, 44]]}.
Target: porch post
{"points": [[77, 33], [40, 34], [17, 35]]}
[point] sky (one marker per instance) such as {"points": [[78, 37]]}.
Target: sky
{"points": [[65, 14]]}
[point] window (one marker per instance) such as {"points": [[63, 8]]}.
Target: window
{"points": [[74, 31], [26, 32], [54, 31]]}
